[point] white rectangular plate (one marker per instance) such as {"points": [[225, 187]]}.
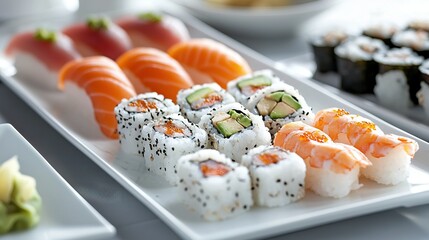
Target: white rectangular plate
{"points": [[65, 214], [77, 125]]}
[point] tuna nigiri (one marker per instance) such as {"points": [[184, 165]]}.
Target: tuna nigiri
{"points": [[152, 70], [154, 30], [99, 36], [332, 168], [41, 51], [390, 154], [104, 83], [209, 61]]}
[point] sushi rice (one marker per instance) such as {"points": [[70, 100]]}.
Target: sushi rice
{"points": [[132, 114], [166, 140], [213, 186], [278, 176], [241, 141]]}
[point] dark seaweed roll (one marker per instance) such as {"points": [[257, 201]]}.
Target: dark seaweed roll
{"points": [[356, 65], [416, 40], [382, 31], [398, 78], [323, 50], [423, 94]]}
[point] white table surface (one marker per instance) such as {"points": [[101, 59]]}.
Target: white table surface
{"points": [[135, 221]]}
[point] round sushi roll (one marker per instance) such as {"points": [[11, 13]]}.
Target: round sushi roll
{"points": [[244, 87], [233, 130], [416, 40], [356, 65], [132, 114], [382, 31], [277, 175], [399, 79], [419, 25], [323, 49], [166, 140], [213, 186], [198, 100], [280, 104], [423, 94]]}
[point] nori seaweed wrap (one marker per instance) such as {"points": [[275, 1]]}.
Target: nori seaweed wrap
{"points": [[323, 50], [416, 40], [356, 66], [382, 31], [423, 94], [402, 66]]}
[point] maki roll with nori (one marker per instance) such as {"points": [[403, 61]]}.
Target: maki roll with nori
{"points": [[356, 65], [278, 176], [416, 40], [323, 49], [213, 186], [233, 130], [280, 104], [423, 94], [198, 100], [166, 140], [244, 87], [382, 31], [132, 114], [399, 79]]}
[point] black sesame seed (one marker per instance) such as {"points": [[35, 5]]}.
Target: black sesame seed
{"points": [[181, 180], [204, 204], [236, 194], [292, 195], [285, 183], [278, 180], [245, 206], [300, 185], [233, 209], [287, 193], [186, 189]]}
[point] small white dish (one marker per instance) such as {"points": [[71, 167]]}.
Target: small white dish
{"points": [[65, 214], [260, 22]]}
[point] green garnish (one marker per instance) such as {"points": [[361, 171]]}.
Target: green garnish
{"points": [[43, 34], [151, 17], [95, 23]]}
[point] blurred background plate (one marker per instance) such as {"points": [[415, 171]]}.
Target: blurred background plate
{"points": [[257, 22]]}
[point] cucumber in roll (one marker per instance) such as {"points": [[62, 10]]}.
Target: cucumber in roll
{"points": [[200, 99]]}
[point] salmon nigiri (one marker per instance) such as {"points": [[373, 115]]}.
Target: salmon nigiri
{"points": [[390, 154], [332, 168], [105, 84], [154, 30], [209, 61], [43, 51], [151, 70], [99, 36]]}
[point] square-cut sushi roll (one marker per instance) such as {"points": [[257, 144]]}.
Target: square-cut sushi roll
{"points": [[416, 40], [382, 31], [198, 100], [244, 87], [278, 176], [233, 130], [323, 49], [356, 65], [166, 140], [399, 79], [280, 104], [132, 114], [213, 186]]}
